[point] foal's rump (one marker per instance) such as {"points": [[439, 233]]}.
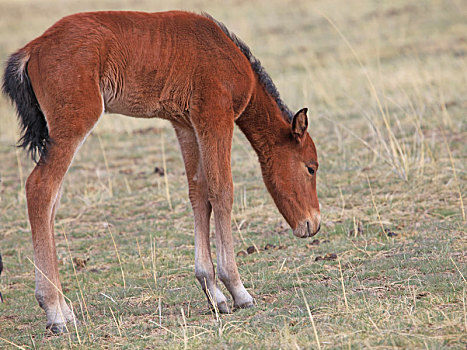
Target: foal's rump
{"points": [[53, 80]]}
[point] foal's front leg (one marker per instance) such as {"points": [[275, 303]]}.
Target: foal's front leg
{"points": [[215, 148], [198, 193]]}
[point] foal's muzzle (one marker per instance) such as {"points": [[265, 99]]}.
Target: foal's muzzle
{"points": [[308, 227]]}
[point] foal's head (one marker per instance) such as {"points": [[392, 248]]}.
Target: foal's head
{"points": [[291, 178]]}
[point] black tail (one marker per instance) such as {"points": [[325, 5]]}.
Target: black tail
{"points": [[16, 84]]}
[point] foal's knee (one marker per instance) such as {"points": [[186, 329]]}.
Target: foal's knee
{"points": [[221, 199]]}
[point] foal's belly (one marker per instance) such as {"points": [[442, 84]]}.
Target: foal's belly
{"points": [[152, 91], [148, 107]]}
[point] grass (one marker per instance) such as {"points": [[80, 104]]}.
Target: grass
{"points": [[386, 85]]}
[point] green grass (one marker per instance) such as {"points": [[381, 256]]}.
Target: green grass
{"points": [[395, 121]]}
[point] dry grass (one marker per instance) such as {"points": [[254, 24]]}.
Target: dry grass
{"points": [[386, 84]]}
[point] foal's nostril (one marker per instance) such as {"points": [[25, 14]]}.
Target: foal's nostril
{"points": [[319, 226]]}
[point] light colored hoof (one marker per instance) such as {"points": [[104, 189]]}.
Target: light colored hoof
{"points": [[60, 319], [243, 299], [60, 328]]}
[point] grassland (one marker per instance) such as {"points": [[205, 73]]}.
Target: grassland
{"points": [[386, 86]]}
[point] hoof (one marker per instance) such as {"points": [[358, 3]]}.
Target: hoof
{"points": [[60, 328], [223, 308], [245, 305], [57, 328]]}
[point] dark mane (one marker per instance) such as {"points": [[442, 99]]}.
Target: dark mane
{"points": [[263, 76]]}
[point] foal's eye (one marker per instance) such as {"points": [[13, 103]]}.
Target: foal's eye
{"points": [[311, 171]]}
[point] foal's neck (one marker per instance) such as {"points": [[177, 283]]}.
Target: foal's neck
{"points": [[263, 124]]}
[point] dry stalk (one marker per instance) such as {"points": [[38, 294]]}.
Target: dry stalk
{"points": [[109, 179], [21, 176], [185, 329], [458, 270], [214, 305], [77, 280], [310, 315], [343, 286], [165, 328], [465, 313], [118, 256], [153, 260], [166, 179], [376, 208], [140, 256], [455, 178], [160, 310], [11, 343], [116, 322], [127, 185], [239, 228]]}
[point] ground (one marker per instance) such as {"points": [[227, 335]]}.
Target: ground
{"points": [[385, 83]]}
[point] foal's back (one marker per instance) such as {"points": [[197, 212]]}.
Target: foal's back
{"points": [[144, 64]]}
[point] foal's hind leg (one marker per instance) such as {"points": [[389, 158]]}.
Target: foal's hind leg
{"points": [[67, 130], [198, 193]]}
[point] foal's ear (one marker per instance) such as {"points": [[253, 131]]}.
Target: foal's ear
{"points": [[300, 124]]}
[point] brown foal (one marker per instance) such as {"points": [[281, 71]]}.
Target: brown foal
{"points": [[183, 67]]}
